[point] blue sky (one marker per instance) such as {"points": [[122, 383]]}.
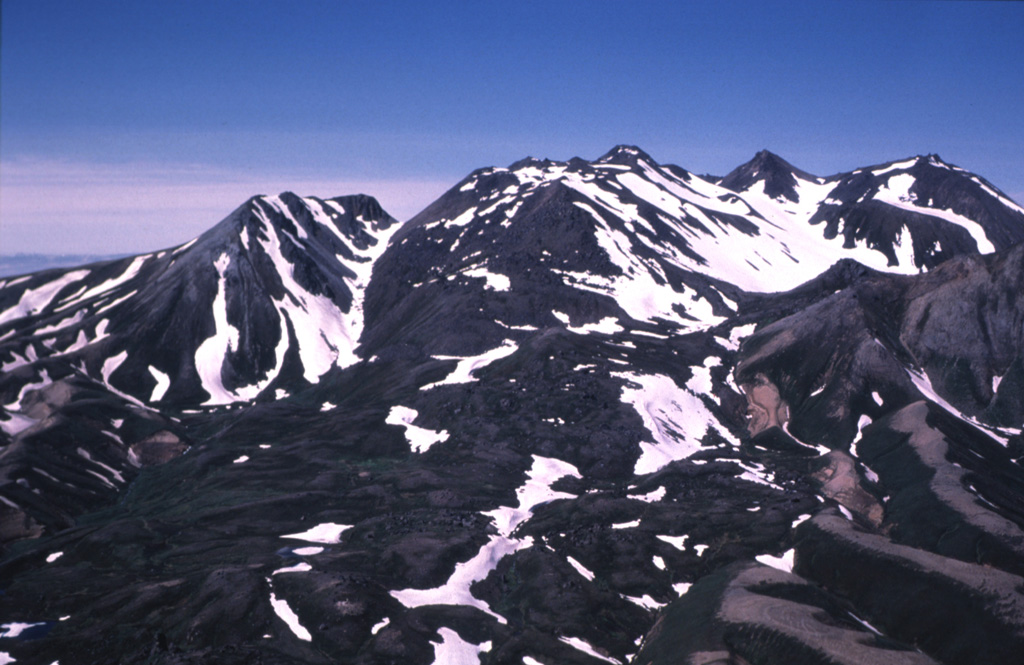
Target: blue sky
{"points": [[131, 126]]}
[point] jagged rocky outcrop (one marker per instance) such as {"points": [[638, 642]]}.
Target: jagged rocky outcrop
{"points": [[572, 412]]}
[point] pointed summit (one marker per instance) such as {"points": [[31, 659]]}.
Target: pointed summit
{"points": [[778, 175], [624, 154]]}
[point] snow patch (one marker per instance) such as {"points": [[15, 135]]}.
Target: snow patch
{"points": [[16, 628], [800, 520], [862, 422], [676, 418], [116, 474], [453, 650], [420, 438], [580, 568], [163, 382], [297, 568], [737, 334], [609, 325], [210, 355], [35, 300], [645, 602], [327, 533], [896, 193], [678, 542], [493, 281], [463, 372], [783, 563], [651, 497], [290, 618], [16, 423], [131, 271], [700, 382]]}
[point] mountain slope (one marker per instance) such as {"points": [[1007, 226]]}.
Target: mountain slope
{"points": [[587, 421], [268, 299], [264, 303], [916, 212]]}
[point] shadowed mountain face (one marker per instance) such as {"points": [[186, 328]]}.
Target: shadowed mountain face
{"points": [[572, 412]]}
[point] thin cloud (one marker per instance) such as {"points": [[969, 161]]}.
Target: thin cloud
{"points": [[51, 206]]}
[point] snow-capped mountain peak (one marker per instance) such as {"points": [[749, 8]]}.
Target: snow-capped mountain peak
{"points": [[268, 299], [759, 228], [779, 179]]}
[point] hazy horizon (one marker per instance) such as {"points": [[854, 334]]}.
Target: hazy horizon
{"points": [[130, 127]]}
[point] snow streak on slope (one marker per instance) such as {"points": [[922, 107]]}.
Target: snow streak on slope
{"points": [[463, 372], [210, 354], [924, 384], [896, 192], [642, 289], [537, 490], [131, 271], [326, 333], [291, 619], [810, 252], [327, 336], [34, 300]]}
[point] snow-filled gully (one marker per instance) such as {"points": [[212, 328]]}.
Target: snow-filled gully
{"points": [[535, 491]]}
